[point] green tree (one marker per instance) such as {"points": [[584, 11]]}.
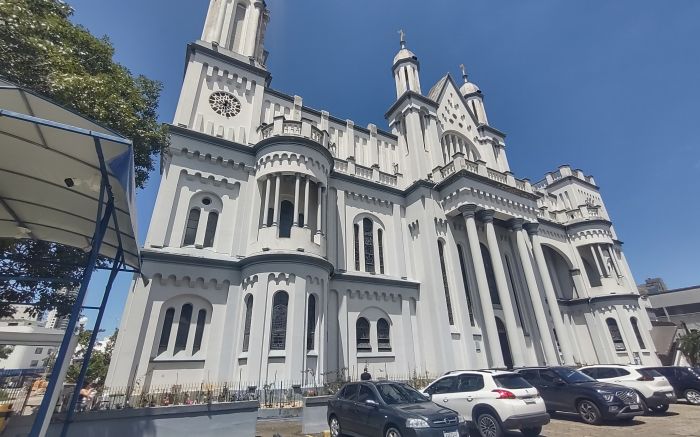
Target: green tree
{"points": [[41, 49], [99, 361], [5, 351], [689, 344]]}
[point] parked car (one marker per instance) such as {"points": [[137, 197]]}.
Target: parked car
{"points": [[390, 409], [492, 400], [685, 382], [654, 389], [568, 390]]}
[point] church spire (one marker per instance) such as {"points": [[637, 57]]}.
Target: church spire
{"points": [[406, 69], [464, 73], [238, 26]]}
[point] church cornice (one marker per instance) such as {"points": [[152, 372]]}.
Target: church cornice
{"points": [[221, 54], [597, 299], [409, 95], [375, 280]]}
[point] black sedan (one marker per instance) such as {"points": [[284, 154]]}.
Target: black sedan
{"points": [[390, 409]]}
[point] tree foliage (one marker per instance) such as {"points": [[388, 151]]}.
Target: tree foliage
{"points": [[99, 361], [41, 49], [689, 344], [5, 351]]}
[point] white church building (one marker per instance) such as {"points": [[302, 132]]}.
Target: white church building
{"points": [[286, 243]]}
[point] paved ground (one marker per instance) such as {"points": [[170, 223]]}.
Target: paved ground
{"points": [[681, 420]]}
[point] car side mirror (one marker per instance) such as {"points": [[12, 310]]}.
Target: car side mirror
{"points": [[371, 403]]}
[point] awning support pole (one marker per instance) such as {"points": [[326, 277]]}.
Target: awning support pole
{"points": [[46, 408], [116, 264]]}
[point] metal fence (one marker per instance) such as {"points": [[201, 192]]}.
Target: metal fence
{"points": [[275, 394]]}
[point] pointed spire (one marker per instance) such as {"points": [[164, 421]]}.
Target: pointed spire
{"points": [[464, 73], [402, 41]]}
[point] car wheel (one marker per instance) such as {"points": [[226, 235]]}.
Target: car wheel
{"points": [[392, 432], [692, 396], [643, 406], [488, 425], [660, 408], [531, 432], [335, 427], [589, 412]]}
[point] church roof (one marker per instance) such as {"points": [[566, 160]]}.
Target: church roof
{"points": [[404, 54], [434, 92]]}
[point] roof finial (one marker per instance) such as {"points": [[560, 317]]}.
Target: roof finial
{"points": [[403, 38], [464, 73]]}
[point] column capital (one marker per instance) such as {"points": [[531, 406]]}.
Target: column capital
{"points": [[532, 228], [516, 224], [468, 210], [486, 215]]}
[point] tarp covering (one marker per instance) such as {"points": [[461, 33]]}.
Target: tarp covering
{"points": [[50, 176]]}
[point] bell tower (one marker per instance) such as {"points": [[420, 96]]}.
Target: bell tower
{"points": [[238, 26], [223, 89]]}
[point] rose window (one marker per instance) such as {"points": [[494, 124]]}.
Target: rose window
{"points": [[225, 104]]}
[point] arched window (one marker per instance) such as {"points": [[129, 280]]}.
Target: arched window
{"points": [[368, 234], [278, 333], [199, 331], [490, 276], [463, 267], [637, 333], [166, 330], [380, 243], [211, 229], [356, 235], [615, 334], [183, 328], [362, 335], [191, 229], [383, 336], [248, 318], [445, 282], [311, 324], [286, 219]]}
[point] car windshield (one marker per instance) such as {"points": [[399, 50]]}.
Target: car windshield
{"points": [[572, 376], [511, 381], [394, 394]]}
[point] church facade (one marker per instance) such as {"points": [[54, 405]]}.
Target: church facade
{"points": [[286, 243]]}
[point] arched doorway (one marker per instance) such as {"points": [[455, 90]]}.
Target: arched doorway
{"points": [[505, 346], [286, 218]]}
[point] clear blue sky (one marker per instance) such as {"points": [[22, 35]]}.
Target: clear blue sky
{"points": [[611, 87]]}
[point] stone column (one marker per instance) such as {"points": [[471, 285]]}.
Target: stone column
{"points": [[296, 199], [252, 32], [601, 272], [604, 266], [319, 201], [532, 229], [306, 203], [503, 291], [276, 211], [266, 205], [542, 325], [491, 330]]}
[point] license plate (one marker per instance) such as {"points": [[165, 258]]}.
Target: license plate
{"points": [[450, 434], [634, 407]]}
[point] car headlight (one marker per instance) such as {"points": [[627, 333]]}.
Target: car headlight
{"points": [[607, 396], [416, 423]]}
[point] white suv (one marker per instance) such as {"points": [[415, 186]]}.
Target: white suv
{"points": [[492, 400], [654, 389]]}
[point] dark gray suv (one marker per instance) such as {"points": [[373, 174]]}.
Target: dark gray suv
{"points": [[390, 409]]}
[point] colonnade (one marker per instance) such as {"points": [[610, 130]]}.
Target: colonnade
{"points": [[525, 248], [300, 179]]}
